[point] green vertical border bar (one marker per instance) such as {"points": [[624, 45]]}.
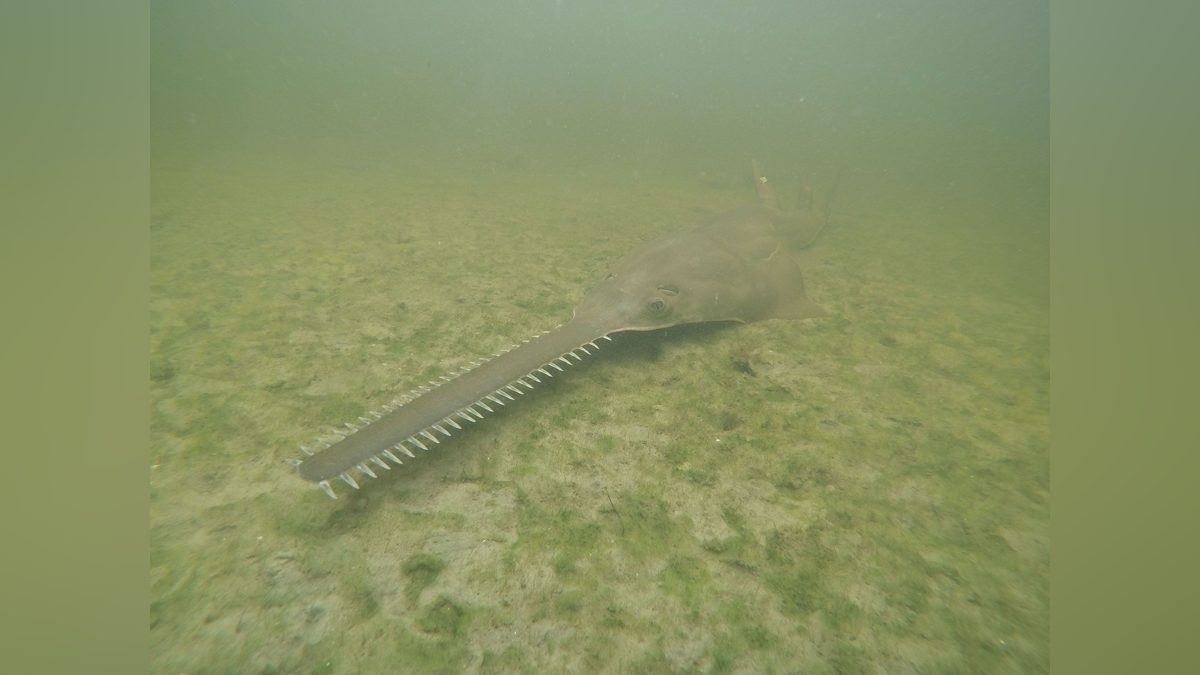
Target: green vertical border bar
{"points": [[73, 223], [1125, 254], [1067, 638]]}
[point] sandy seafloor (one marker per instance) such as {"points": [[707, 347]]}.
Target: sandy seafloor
{"points": [[867, 492]]}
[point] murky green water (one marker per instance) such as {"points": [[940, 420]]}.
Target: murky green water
{"points": [[347, 203]]}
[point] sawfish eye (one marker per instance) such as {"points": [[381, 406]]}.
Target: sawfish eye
{"points": [[657, 305], [668, 290]]}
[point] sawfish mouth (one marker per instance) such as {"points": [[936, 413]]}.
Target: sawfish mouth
{"points": [[434, 412]]}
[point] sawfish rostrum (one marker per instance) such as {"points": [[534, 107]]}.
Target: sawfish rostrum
{"points": [[731, 267]]}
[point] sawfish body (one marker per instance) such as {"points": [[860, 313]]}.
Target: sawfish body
{"points": [[730, 267]]}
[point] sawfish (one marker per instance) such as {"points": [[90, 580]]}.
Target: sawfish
{"points": [[729, 267]]}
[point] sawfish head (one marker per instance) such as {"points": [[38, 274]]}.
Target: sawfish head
{"points": [[731, 269]]}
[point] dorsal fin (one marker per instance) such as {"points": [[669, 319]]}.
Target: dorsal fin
{"points": [[766, 193]]}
